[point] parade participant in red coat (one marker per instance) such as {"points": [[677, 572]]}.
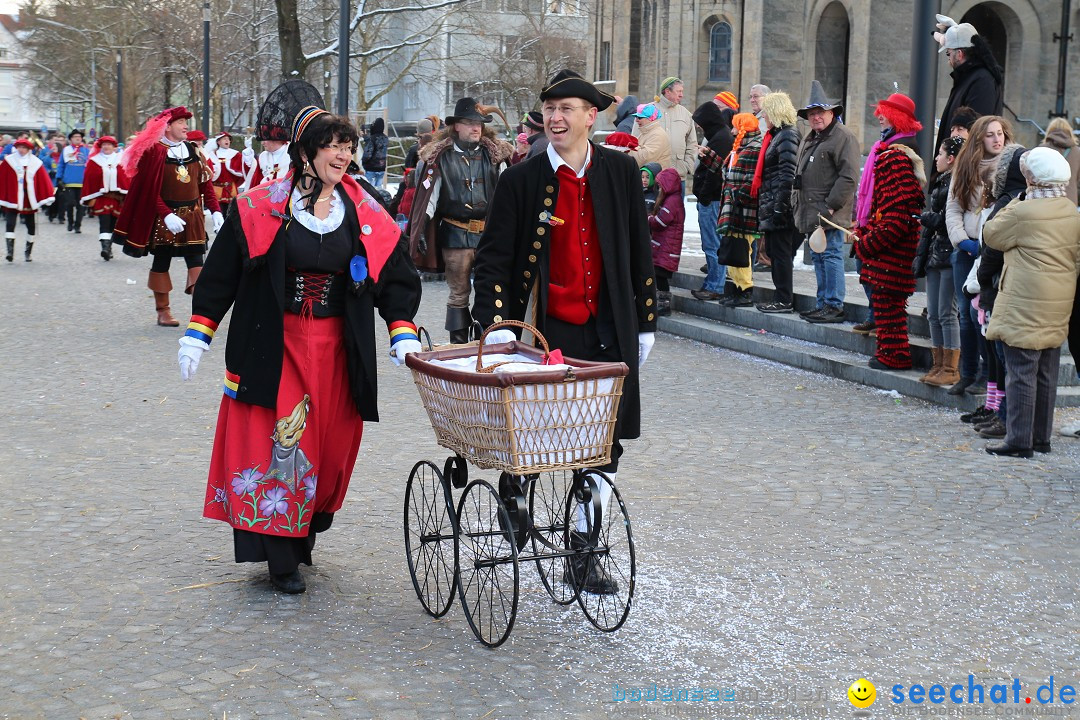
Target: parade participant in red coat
{"points": [[104, 186], [568, 233], [227, 166], [303, 262], [271, 164], [24, 187], [163, 214]]}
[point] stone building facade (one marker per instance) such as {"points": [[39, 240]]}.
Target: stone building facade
{"points": [[858, 49]]}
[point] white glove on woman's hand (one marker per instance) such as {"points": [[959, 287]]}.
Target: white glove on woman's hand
{"points": [[403, 348], [249, 142], [191, 350], [644, 346], [500, 336], [174, 223], [219, 220]]}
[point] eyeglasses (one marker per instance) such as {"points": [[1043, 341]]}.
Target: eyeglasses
{"points": [[339, 148], [549, 110]]}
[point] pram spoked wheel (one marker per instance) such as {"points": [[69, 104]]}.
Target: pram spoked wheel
{"points": [[487, 561], [548, 503], [429, 538], [609, 545]]}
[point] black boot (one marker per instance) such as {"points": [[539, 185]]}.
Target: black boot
{"points": [[731, 291], [29, 249], [596, 579], [960, 387], [106, 247], [663, 303], [10, 248], [743, 298], [458, 321], [291, 583]]}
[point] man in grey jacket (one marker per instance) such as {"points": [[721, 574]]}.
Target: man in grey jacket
{"points": [[827, 174]]}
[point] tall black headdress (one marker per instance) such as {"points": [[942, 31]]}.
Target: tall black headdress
{"points": [[279, 110]]}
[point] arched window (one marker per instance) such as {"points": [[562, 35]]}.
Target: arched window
{"points": [[720, 53]]}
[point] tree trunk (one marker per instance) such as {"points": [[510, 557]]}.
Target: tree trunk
{"points": [[293, 64]]}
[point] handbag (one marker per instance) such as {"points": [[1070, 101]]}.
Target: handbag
{"points": [[733, 252]]}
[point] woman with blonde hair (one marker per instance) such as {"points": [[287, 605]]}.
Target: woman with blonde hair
{"points": [[968, 197], [773, 178], [1059, 136]]}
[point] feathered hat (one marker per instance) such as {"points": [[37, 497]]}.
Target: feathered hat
{"points": [[150, 135]]}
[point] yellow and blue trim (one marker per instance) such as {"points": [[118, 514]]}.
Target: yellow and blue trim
{"points": [[201, 328], [232, 384]]}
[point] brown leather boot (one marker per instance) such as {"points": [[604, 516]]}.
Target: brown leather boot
{"points": [[161, 285], [939, 354], [192, 276], [949, 373]]}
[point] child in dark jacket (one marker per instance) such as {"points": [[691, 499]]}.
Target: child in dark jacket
{"points": [[666, 219]]}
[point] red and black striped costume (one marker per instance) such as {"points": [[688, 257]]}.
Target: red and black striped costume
{"points": [[886, 246]]}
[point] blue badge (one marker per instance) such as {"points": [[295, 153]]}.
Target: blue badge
{"points": [[358, 268]]}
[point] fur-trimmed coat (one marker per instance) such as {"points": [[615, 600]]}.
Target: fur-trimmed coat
{"points": [[422, 243], [886, 245]]}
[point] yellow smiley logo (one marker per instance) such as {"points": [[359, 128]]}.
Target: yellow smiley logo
{"points": [[862, 693]]}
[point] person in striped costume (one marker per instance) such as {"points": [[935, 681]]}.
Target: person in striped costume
{"points": [[889, 203]]}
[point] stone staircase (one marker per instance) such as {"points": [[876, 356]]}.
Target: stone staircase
{"points": [[832, 349]]}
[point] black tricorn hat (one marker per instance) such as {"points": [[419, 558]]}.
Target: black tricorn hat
{"points": [[569, 84], [466, 109]]}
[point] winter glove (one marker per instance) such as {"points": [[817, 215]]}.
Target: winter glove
{"points": [[403, 348], [174, 223], [219, 220], [191, 350], [644, 343], [249, 143], [970, 246], [500, 336]]}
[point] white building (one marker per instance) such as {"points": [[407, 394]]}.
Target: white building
{"points": [[19, 109]]}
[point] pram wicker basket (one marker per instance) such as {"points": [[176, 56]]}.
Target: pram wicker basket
{"points": [[521, 422]]}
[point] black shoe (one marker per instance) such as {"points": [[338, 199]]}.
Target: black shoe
{"points": [[994, 431], [704, 294], [704, 269], [807, 313], [291, 583], [744, 298], [775, 307], [761, 267], [981, 414], [1041, 447], [864, 328], [828, 315], [1006, 450], [976, 388], [960, 387], [78, 231], [597, 580], [878, 365]]}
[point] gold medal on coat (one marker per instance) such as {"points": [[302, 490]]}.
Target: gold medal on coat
{"points": [[182, 174]]}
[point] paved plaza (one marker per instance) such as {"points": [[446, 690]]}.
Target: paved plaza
{"points": [[793, 532]]}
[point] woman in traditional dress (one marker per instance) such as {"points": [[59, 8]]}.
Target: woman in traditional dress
{"points": [[24, 188], [104, 186], [304, 262]]}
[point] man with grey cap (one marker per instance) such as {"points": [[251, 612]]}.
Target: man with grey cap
{"points": [[977, 77], [679, 126], [826, 175], [533, 127]]}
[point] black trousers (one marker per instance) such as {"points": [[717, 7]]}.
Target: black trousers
{"points": [[782, 245], [282, 555], [162, 261], [106, 223], [595, 340], [73, 209], [11, 219], [663, 278]]}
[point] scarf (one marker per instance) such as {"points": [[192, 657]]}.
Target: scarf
{"points": [[866, 183], [755, 186], [1035, 192]]}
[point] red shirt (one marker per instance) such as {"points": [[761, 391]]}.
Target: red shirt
{"points": [[575, 266]]}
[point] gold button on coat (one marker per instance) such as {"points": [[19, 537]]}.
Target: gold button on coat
{"points": [[498, 303]]}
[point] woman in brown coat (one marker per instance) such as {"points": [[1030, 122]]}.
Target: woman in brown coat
{"points": [[1040, 236]]}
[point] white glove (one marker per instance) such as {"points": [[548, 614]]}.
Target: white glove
{"points": [[500, 336], [644, 346], [219, 220], [191, 350], [403, 348], [174, 223], [249, 143], [206, 213]]}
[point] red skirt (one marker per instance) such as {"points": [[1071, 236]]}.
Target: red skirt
{"points": [[271, 470], [111, 203]]}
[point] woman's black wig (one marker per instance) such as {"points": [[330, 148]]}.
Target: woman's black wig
{"points": [[323, 130]]}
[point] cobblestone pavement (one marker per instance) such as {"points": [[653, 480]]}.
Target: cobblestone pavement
{"points": [[793, 532]]}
